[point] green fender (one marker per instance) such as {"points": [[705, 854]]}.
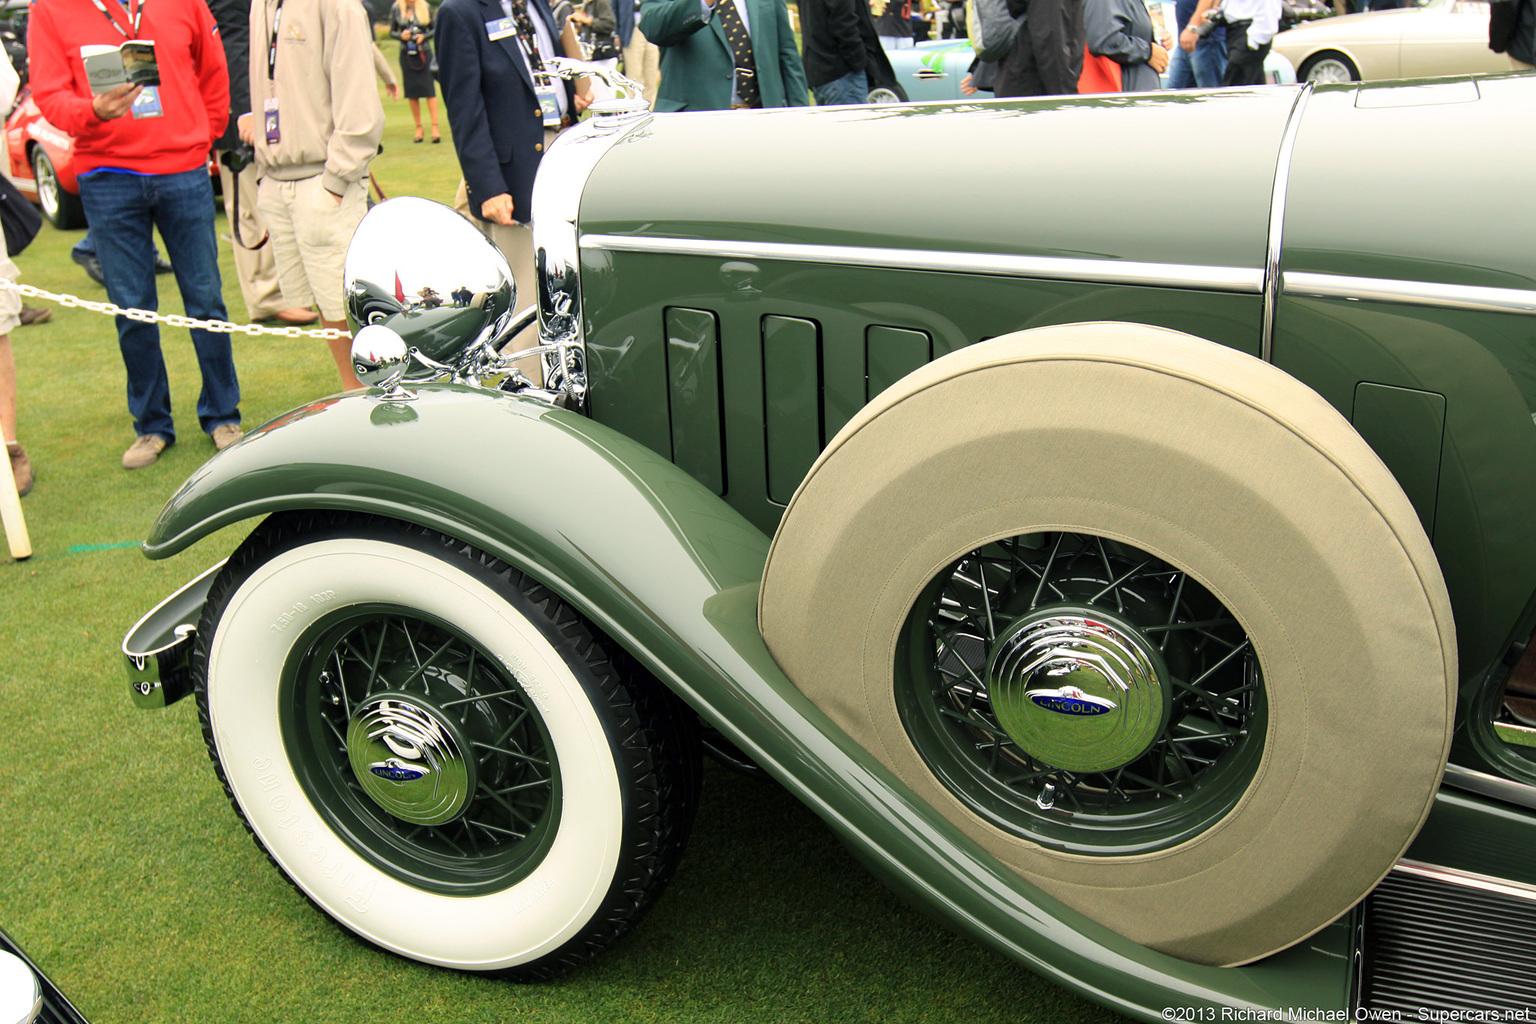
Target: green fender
{"points": [[669, 570]]}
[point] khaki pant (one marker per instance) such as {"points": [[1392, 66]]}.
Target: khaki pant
{"points": [[642, 62], [310, 234], [256, 268]]}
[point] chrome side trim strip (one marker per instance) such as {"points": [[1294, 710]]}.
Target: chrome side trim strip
{"points": [[1483, 784], [1467, 879], [1412, 293], [1161, 275], [1277, 223]]}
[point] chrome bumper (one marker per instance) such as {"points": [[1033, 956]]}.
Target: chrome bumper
{"points": [[158, 649]]}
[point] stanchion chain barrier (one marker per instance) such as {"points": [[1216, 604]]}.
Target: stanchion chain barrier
{"points": [[171, 319]]}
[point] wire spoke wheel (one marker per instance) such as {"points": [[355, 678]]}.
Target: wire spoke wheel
{"points": [[421, 750], [435, 749], [1081, 693]]}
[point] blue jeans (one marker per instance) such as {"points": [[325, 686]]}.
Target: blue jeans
{"points": [[851, 88], [1202, 68], [122, 207]]}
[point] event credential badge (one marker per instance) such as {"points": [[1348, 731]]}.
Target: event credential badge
{"points": [[147, 103]]}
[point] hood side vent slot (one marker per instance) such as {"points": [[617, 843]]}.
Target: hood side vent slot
{"points": [[1436, 944]]}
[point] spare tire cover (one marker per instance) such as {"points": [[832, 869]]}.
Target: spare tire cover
{"points": [[1217, 463]]}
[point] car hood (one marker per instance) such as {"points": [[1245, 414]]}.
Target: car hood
{"points": [[1160, 178]]}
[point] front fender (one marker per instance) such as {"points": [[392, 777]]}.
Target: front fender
{"points": [[671, 572], [574, 503]]}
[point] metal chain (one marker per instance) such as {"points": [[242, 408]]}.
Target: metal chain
{"points": [[171, 319]]}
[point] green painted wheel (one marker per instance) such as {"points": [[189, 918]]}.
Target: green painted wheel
{"points": [[420, 749], [1081, 693]]}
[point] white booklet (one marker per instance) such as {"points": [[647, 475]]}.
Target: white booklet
{"points": [[107, 67]]}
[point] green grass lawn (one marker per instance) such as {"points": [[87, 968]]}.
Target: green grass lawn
{"points": [[127, 876]]}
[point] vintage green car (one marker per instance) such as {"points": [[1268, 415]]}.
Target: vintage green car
{"points": [[1135, 570]]}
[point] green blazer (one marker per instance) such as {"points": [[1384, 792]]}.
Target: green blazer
{"points": [[696, 64]]}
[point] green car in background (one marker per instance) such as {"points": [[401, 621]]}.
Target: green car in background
{"points": [[1134, 569]]}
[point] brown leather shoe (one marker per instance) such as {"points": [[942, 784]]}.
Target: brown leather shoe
{"points": [[225, 434], [30, 315], [21, 468], [144, 451]]}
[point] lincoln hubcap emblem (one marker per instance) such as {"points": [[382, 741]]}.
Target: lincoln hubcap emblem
{"points": [[410, 758], [1069, 700], [396, 770], [1078, 688]]}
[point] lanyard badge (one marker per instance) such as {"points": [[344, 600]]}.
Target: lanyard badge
{"points": [[134, 17], [147, 103], [549, 104], [500, 28]]}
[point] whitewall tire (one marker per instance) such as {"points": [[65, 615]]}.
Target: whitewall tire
{"points": [[437, 751]]}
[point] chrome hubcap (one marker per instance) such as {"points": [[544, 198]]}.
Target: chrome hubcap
{"points": [[47, 186], [410, 758], [1329, 71], [1078, 689]]}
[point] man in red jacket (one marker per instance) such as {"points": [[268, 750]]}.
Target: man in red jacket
{"points": [[141, 154]]}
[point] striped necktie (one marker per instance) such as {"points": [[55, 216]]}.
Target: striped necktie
{"points": [[518, 10]]}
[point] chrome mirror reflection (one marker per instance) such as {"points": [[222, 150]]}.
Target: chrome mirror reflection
{"points": [[427, 274], [380, 358]]}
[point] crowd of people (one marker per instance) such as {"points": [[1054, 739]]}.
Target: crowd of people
{"points": [[283, 91]]}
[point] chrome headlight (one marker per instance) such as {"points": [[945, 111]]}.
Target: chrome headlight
{"points": [[430, 276]]}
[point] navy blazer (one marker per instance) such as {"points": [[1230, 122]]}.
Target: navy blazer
{"points": [[498, 128]]}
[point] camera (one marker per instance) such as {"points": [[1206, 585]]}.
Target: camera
{"points": [[1214, 19], [239, 158]]}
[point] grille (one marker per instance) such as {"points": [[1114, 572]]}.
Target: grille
{"points": [[1430, 944]]}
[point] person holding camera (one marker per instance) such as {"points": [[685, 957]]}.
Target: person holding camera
{"points": [[311, 78], [1206, 63], [1251, 26], [410, 21], [254, 266]]}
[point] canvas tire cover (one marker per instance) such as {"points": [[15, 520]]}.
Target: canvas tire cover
{"points": [[1217, 463]]}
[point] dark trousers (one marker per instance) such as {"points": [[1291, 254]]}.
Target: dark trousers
{"points": [[1244, 66], [122, 209]]}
